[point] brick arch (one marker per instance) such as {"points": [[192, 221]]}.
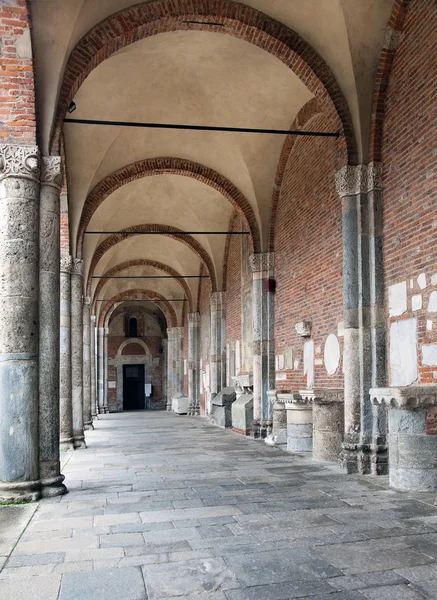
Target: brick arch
{"points": [[382, 78], [144, 262], [238, 20], [132, 342], [309, 111], [169, 231], [167, 166], [161, 302]]}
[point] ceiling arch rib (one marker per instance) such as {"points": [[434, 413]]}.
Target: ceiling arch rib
{"points": [[149, 18], [164, 230], [137, 294], [167, 166], [141, 262]]}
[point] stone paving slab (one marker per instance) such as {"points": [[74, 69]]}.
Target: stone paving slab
{"points": [[165, 507]]}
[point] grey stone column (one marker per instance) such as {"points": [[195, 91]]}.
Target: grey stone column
{"points": [[364, 447], [77, 353], [193, 362], [100, 368], [105, 371], [218, 342], [262, 266], [49, 322], [170, 367], [164, 371], [93, 368], [178, 358], [19, 290], [65, 390], [86, 319]]}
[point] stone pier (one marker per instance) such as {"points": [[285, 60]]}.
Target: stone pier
{"points": [[49, 321], [170, 366], [218, 342], [65, 391], [77, 353], [19, 340], [100, 369], [87, 418], [194, 362], [94, 411]]}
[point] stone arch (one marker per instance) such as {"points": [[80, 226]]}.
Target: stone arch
{"points": [[310, 110], [167, 166], [382, 78], [137, 341], [161, 302], [243, 22], [166, 230], [144, 262]]}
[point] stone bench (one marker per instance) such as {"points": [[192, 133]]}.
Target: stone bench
{"points": [[412, 451]]}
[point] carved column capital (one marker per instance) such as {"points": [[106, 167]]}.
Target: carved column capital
{"points": [[66, 263], [193, 319], [87, 302], [360, 179], [77, 267], [262, 262], [20, 161], [218, 300], [51, 171]]}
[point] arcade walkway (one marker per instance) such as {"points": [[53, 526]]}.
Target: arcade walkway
{"points": [[172, 506]]}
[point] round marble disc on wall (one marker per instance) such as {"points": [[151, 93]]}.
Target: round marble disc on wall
{"points": [[332, 354]]}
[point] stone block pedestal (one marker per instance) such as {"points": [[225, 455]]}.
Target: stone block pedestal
{"points": [[179, 405], [242, 408], [221, 407], [328, 424], [412, 451], [299, 411]]}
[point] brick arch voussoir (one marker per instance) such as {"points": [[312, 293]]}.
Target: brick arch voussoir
{"points": [[138, 294], [382, 78], [225, 16], [167, 166], [143, 262], [308, 112], [166, 230]]}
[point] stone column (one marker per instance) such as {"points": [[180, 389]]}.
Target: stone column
{"points": [[105, 371], [77, 353], [364, 447], [86, 317], [93, 368], [49, 322], [19, 343], [262, 266], [100, 368], [193, 362], [170, 367], [164, 371], [218, 342], [179, 360], [299, 410], [65, 398]]}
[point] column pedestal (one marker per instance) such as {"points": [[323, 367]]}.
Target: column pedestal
{"points": [[328, 424], [299, 422], [412, 450]]}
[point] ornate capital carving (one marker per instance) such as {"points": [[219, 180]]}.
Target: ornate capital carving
{"points": [[407, 398], [87, 301], [77, 267], [352, 180], [194, 319], [51, 171], [20, 161], [66, 263], [262, 262]]}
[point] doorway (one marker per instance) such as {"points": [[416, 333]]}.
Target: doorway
{"points": [[133, 387]]}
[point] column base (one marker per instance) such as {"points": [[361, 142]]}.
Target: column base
{"points": [[349, 458], [53, 486], [265, 429], [88, 425], [66, 444], [19, 491], [79, 442], [256, 430]]}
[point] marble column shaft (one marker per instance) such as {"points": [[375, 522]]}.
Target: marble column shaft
{"points": [[19, 332], [86, 318], [364, 447], [93, 368], [100, 368], [193, 362], [170, 367], [218, 342], [179, 360], [164, 371], [262, 266], [105, 371], [49, 322], [65, 389], [77, 353]]}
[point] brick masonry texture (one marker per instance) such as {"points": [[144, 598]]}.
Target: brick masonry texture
{"points": [[410, 171], [308, 255], [17, 93]]}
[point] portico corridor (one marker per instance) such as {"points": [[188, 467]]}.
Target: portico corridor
{"points": [[162, 506]]}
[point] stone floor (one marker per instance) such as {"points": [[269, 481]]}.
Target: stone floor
{"points": [[163, 506]]}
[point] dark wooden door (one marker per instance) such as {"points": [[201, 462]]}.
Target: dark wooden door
{"points": [[133, 387]]}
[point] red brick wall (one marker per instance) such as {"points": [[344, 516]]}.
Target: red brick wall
{"points": [[17, 94], [133, 350], [233, 286], [409, 154], [308, 256], [204, 304]]}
